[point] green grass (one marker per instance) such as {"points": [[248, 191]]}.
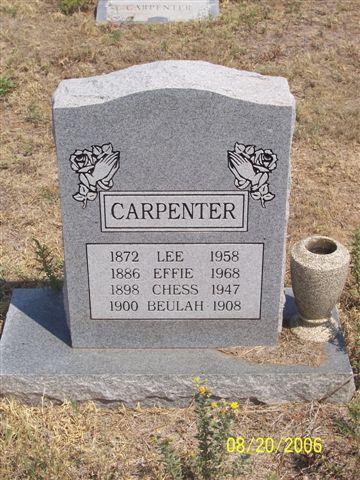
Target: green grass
{"points": [[114, 37], [12, 11], [6, 85], [355, 292], [49, 194], [47, 265], [356, 257], [68, 7], [351, 426], [34, 114]]}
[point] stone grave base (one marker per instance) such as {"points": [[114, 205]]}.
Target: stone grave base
{"points": [[37, 362]]}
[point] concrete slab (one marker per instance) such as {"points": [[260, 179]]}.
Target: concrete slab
{"points": [[37, 361]]}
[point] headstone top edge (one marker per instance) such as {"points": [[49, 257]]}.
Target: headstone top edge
{"points": [[174, 74]]}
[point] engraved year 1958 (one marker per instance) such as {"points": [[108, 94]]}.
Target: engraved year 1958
{"points": [[224, 256]]}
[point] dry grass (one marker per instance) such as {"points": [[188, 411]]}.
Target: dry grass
{"points": [[77, 442], [315, 45], [290, 350]]}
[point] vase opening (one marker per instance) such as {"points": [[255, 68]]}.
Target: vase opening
{"points": [[321, 246]]}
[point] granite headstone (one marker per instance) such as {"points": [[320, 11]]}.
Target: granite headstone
{"points": [[155, 11], [174, 180], [174, 184]]}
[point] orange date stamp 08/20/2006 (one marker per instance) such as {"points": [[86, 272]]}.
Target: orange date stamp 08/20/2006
{"points": [[261, 445]]}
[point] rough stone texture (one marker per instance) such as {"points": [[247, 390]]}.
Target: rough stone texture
{"points": [[319, 267], [174, 74], [155, 11], [174, 123], [37, 361], [320, 332]]}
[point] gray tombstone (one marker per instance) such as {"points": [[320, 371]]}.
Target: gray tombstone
{"points": [[155, 11], [174, 180]]}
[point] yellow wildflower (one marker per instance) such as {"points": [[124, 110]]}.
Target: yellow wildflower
{"points": [[202, 390], [234, 405], [214, 405]]}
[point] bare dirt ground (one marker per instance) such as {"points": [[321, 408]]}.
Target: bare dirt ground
{"points": [[315, 44]]}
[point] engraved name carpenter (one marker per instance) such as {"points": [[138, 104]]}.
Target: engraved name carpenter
{"points": [[174, 210], [145, 7]]}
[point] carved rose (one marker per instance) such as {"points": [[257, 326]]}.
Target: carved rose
{"points": [[266, 159], [82, 161], [251, 169], [96, 169]]}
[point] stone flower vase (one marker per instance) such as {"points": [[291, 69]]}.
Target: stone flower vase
{"points": [[319, 267]]}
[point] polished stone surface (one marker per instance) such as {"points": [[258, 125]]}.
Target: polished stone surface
{"points": [[37, 361], [166, 128]]}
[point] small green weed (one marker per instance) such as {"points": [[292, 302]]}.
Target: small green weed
{"points": [[75, 407], [12, 11], [35, 468], [6, 85], [34, 114], [170, 460], [356, 257], [213, 420], [350, 428], [355, 295], [47, 265], [356, 363], [4, 165], [164, 45], [272, 476], [28, 149], [49, 194], [114, 37], [68, 7]]}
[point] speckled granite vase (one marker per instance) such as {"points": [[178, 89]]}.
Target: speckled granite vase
{"points": [[319, 267]]}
